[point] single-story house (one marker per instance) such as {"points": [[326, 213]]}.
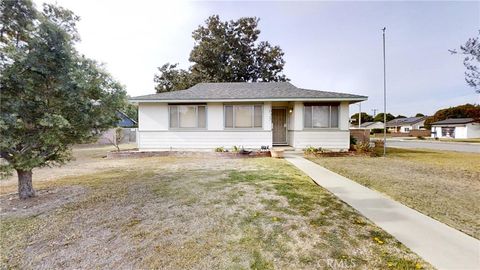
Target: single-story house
{"points": [[405, 125], [250, 115], [371, 125], [458, 128]]}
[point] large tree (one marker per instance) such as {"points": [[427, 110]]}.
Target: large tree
{"points": [[471, 51], [51, 97], [364, 117], [225, 51], [390, 117], [461, 111]]}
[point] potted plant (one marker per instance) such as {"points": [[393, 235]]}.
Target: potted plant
{"points": [[277, 153]]}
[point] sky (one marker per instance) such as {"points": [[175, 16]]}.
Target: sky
{"points": [[330, 46]]}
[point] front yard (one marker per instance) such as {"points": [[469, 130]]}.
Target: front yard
{"points": [[177, 213], [441, 184]]}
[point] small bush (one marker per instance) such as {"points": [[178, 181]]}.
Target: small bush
{"points": [[220, 149], [236, 149], [363, 147], [420, 137], [376, 130], [310, 150]]}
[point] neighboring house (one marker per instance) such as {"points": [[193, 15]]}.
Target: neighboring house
{"points": [[125, 120], [128, 126], [458, 128], [372, 125], [251, 115], [405, 125]]}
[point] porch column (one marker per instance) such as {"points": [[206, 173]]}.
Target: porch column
{"points": [[267, 116], [343, 116], [297, 115]]}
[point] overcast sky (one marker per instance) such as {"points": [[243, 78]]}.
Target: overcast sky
{"points": [[333, 46]]}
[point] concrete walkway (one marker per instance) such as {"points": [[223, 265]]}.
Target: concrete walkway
{"points": [[437, 243]]}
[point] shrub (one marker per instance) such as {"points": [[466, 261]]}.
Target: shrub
{"points": [[376, 130], [420, 137], [312, 150], [363, 147], [220, 149], [236, 149]]}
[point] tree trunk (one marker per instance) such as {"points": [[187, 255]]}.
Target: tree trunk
{"points": [[25, 187]]}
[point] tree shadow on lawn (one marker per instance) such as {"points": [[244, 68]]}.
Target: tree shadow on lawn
{"points": [[256, 213]]}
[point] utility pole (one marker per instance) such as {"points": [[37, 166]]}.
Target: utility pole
{"points": [[384, 98], [374, 112]]}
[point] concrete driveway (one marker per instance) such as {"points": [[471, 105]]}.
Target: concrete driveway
{"points": [[448, 146]]}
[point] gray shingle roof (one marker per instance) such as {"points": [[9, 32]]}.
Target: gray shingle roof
{"points": [[247, 91], [453, 121], [405, 121]]}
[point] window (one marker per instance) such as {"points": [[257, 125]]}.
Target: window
{"points": [[243, 116], [188, 116], [321, 116]]}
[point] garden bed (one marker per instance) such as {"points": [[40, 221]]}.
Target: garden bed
{"points": [[140, 154], [338, 154]]}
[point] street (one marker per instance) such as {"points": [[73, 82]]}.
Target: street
{"points": [[448, 146]]}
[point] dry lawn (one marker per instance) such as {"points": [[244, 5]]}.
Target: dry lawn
{"points": [[189, 213], [441, 184]]}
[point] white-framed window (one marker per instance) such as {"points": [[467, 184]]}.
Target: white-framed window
{"points": [[243, 116], [187, 116], [321, 116]]}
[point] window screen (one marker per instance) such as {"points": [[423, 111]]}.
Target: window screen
{"points": [[243, 116], [320, 116], [188, 116]]}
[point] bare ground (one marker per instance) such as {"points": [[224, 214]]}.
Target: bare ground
{"points": [[190, 213]]}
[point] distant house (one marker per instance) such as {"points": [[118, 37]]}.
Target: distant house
{"points": [[125, 121], [405, 125], [372, 125], [458, 128], [128, 126]]}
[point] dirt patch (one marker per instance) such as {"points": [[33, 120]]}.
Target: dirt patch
{"points": [[45, 200], [191, 213], [197, 154]]}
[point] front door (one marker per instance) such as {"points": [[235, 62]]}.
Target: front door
{"points": [[279, 129]]}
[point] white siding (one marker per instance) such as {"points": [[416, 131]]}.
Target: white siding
{"points": [[473, 130], [343, 116], [297, 116], [467, 131], [461, 132], [203, 139], [267, 116], [154, 133], [215, 116], [403, 129], [328, 139], [152, 116]]}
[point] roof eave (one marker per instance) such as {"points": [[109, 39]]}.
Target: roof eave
{"points": [[350, 99]]}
